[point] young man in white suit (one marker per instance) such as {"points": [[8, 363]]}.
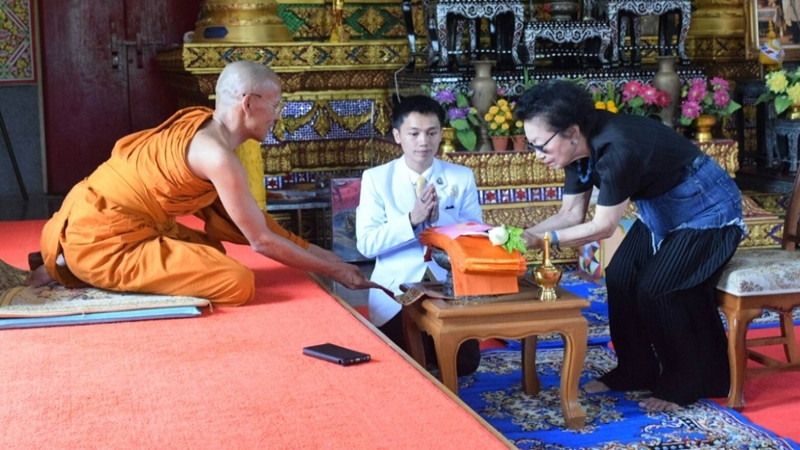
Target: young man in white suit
{"points": [[395, 208]]}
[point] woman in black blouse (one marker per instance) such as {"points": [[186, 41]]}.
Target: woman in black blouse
{"points": [[663, 317]]}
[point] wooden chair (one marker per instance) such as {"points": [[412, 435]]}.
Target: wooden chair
{"points": [[755, 280]]}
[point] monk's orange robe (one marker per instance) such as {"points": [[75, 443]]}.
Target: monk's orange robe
{"points": [[117, 230]]}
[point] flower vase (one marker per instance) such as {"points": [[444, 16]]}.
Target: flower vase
{"points": [[667, 79], [704, 124], [519, 142], [547, 275], [793, 113], [485, 93], [448, 140], [500, 143]]}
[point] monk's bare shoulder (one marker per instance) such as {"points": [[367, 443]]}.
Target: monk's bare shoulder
{"points": [[207, 152]]}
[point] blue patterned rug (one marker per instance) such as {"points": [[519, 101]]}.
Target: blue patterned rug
{"points": [[597, 313], [614, 420]]}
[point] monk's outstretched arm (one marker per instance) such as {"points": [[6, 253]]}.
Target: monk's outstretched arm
{"points": [[224, 170]]}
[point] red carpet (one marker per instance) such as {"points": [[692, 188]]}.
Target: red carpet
{"points": [[773, 400], [236, 378], [232, 378]]}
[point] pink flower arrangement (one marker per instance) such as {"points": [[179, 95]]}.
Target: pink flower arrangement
{"points": [[701, 98], [642, 99]]}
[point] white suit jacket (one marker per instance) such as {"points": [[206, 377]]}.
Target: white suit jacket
{"points": [[384, 231]]}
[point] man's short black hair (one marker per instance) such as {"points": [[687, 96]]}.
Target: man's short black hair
{"points": [[421, 104]]}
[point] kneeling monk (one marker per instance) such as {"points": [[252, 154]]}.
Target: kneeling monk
{"points": [[116, 229]]}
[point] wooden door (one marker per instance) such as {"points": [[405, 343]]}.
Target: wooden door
{"points": [[99, 76]]}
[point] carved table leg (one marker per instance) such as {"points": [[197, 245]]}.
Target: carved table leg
{"points": [[412, 38], [447, 352], [530, 379], [515, 40], [605, 40], [530, 44], [792, 138], [686, 19], [613, 21], [636, 40], [441, 29], [413, 337], [575, 338]]}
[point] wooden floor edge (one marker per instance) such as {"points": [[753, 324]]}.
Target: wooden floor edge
{"points": [[327, 287]]}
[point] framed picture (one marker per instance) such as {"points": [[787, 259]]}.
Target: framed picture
{"points": [[784, 15]]}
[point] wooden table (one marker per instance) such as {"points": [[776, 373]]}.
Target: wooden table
{"points": [[513, 316]]}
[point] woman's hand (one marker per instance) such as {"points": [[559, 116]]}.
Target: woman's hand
{"points": [[532, 240]]}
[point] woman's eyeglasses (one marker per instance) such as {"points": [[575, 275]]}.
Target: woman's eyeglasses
{"points": [[540, 148]]}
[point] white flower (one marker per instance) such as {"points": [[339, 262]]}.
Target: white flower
{"points": [[498, 235]]}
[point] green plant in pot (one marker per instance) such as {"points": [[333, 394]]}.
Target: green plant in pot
{"points": [[459, 114]]}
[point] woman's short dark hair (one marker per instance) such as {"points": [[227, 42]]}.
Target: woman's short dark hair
{"points": [[421, 104], [559, 103]]}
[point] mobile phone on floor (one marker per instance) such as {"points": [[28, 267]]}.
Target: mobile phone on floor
{"points": [[334, 353]]}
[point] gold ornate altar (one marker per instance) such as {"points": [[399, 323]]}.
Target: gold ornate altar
{"points": [[338, 96]]}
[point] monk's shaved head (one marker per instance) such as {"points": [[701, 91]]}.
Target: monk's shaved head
{"points": [[244, 77]]}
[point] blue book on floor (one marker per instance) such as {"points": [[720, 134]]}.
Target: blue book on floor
{"points": [[101, 317]]}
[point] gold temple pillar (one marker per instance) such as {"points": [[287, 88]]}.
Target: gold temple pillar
{"points": [[250, 155], [240, 21]]}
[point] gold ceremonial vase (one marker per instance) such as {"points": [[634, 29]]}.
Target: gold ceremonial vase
{"points": [[704, 124], [794, 112], [547, 275], [448, 140]]}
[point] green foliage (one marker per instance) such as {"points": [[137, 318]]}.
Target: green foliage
{"points": [[515, 241]]}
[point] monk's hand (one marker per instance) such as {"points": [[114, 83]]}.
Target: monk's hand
{"points": [[350, 276]]}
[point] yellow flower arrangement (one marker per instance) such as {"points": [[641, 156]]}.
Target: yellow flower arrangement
{"points": [[500, 118], [606, 99], [783, 88]]}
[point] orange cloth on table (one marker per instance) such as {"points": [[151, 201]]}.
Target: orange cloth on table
{"points": [[117, 228], [479, 268]]}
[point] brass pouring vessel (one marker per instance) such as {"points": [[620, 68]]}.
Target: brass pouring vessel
{"points": [[547, 275]]}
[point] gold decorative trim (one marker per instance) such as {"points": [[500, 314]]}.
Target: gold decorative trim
{"points": [[306, 2], [725, 152], [321, 115], [497, 169], [200, 58], [320, 155], [762, 233], [353, 82]]}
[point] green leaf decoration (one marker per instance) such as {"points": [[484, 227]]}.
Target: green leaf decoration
{"points": [[515, 241]]}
